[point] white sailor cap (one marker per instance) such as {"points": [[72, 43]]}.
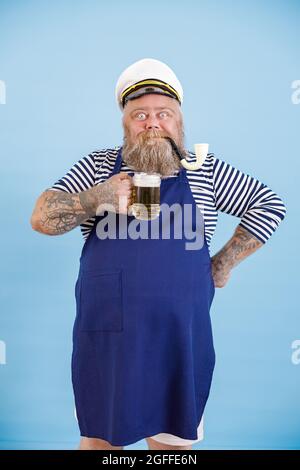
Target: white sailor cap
{"points": [[147, 76]]}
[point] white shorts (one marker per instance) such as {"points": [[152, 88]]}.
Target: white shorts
{"points": [[172, 440]]}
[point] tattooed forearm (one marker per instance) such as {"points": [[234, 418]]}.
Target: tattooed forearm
{"points": [[61, 212], [58, 212], [241, 245]]}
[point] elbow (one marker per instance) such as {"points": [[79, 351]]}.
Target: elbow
{"points": [[36, 223], [280, 212], [38, 211], [37, 226], [283, 211]]}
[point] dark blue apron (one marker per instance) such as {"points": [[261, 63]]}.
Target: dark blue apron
{"points": [[143, 354]]}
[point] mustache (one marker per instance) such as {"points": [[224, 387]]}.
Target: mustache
{"points": [[146, 135]]}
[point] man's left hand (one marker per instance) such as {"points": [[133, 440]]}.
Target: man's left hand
{"points": [[220, 273]]}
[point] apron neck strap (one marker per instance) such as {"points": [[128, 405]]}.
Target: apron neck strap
{"points": [[118, 163]]}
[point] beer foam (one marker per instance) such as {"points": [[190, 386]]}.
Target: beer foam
{"points": [[146, 180]]}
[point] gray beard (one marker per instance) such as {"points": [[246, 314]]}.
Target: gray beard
{"points": [[152, 155]]}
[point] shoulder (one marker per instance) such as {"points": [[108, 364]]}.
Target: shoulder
{"points": [[212, 165], [207, 167], [101, 156]]}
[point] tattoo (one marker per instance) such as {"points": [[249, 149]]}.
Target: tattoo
{"points": [[241, 245], [61, 212], [103, 193]]}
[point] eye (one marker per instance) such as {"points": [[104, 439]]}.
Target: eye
{"points": [[140, 116], [164, 114]]}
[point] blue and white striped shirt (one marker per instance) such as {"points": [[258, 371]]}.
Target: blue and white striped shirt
{"points": [[216, 186]]}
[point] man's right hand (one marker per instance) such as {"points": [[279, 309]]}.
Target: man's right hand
{"points": [[115, 193]]}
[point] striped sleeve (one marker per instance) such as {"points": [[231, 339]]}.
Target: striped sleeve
{"points": [[80, 177], [241, 195]]}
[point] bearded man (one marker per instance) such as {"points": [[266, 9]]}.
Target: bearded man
{"points": [[143, 354]]}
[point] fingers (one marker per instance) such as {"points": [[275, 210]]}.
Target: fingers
{"points": [[124, 177], [122, 184], [123, 204], [124, 194], [124, 189]]}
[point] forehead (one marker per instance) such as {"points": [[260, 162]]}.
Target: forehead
{"points": [[152, 102]]}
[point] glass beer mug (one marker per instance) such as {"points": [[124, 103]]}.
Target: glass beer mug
{"points": [[146, 196]]}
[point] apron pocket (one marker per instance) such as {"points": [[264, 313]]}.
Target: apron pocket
{"points": [[101, 301]]}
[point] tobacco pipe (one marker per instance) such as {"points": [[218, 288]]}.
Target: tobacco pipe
{"points": [[201, 151]]}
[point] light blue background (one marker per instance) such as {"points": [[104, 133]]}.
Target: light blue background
{"points": [[60, 61]]}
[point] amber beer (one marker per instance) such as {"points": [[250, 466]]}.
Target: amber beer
{"points": [[146, 196]]}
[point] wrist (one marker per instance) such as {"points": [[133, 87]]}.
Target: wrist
{"points": [[89, 201], [98, 198], [222, 263]]}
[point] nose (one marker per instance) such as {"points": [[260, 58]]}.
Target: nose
{"points": [[152, 123]]}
